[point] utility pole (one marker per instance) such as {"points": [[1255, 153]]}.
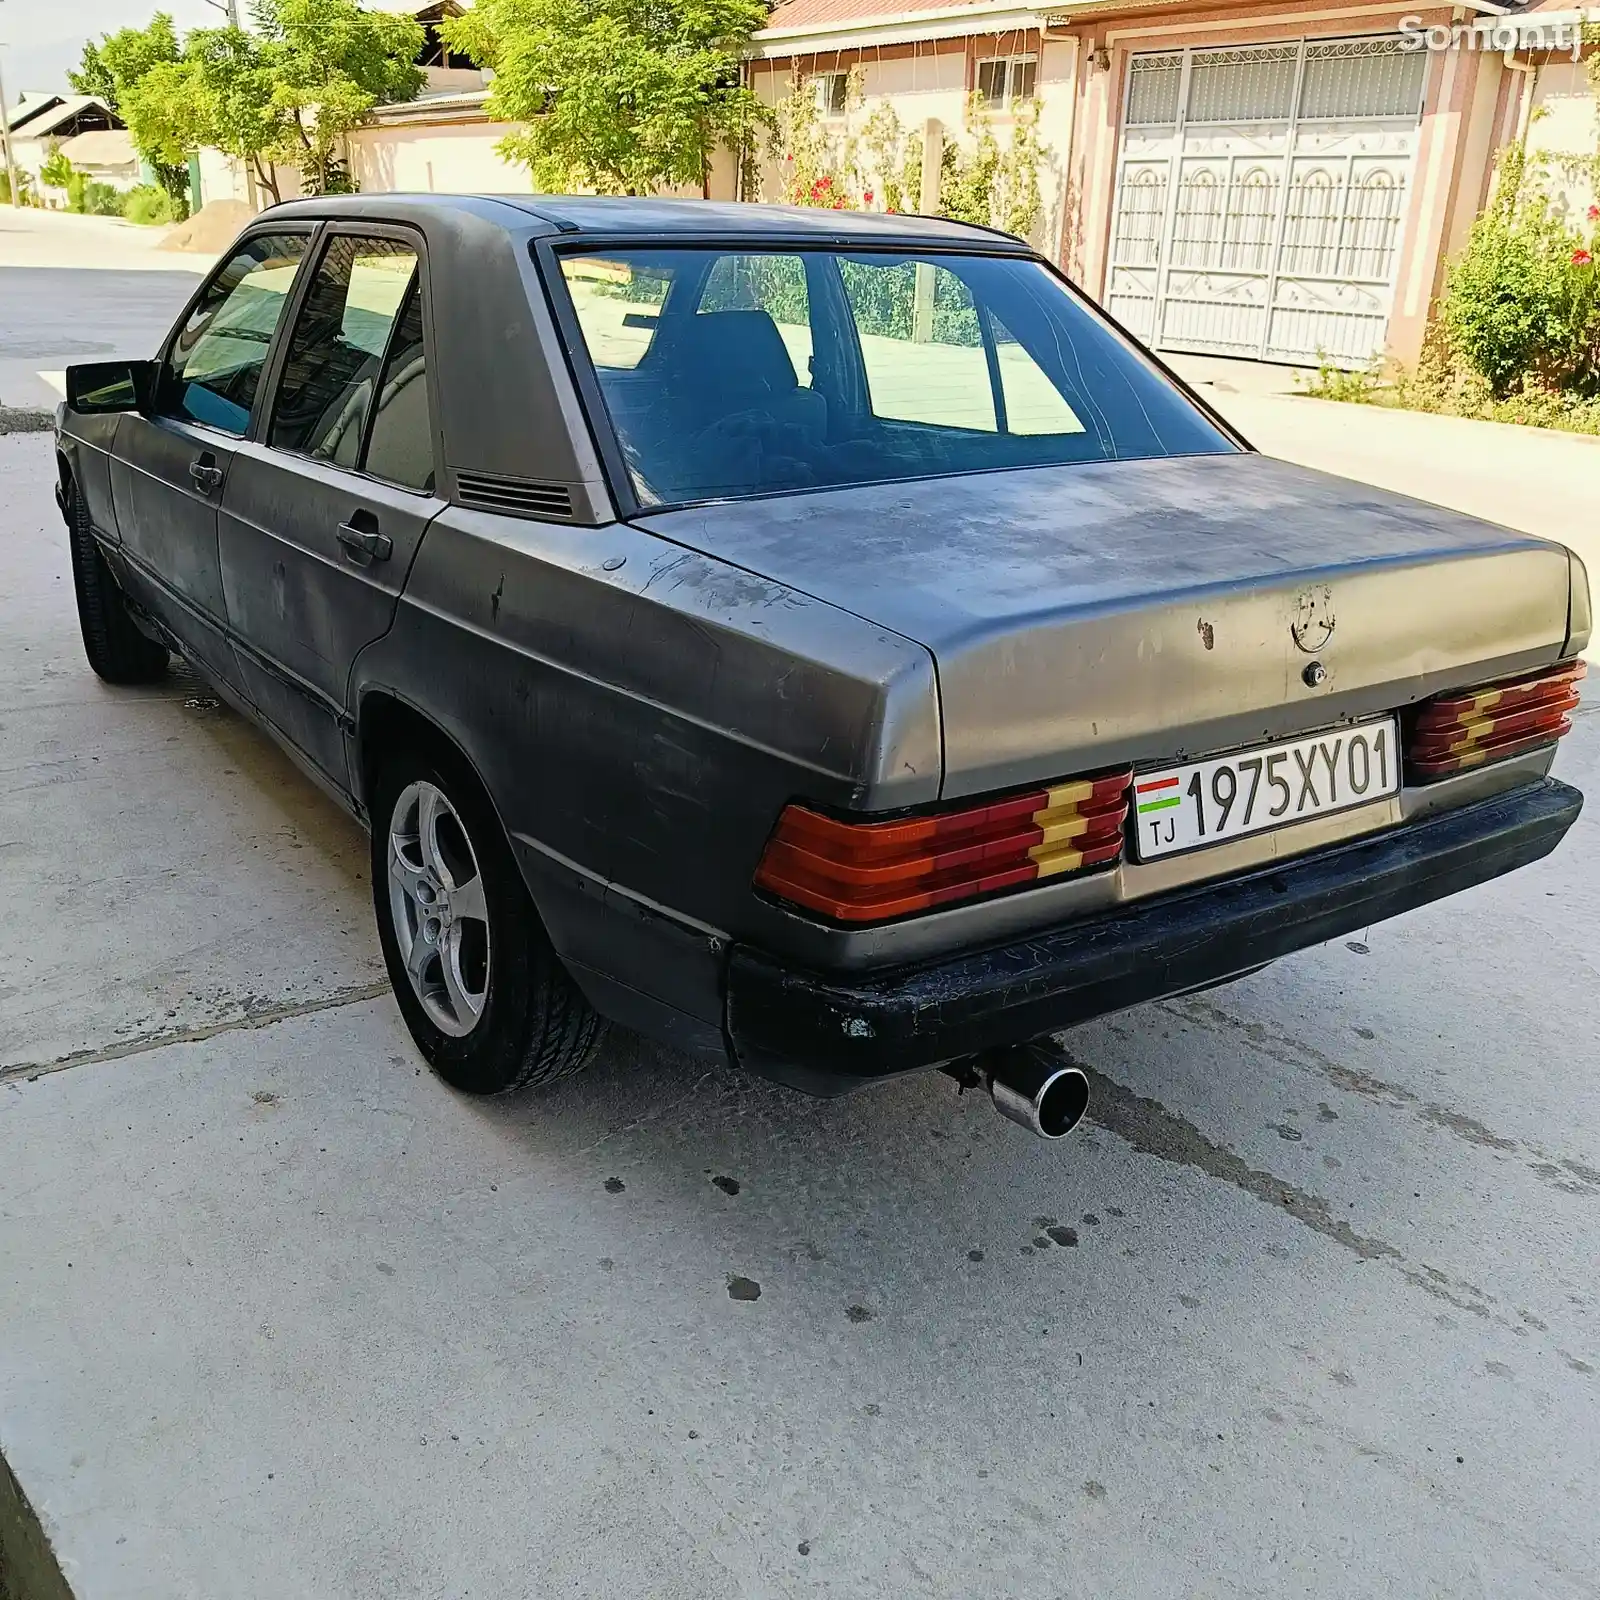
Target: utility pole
{"points": [[229, 6], [5, 139]]}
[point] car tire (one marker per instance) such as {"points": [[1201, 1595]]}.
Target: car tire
{"points": [[117, 649], [482, 990]]}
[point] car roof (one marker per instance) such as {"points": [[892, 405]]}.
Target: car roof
{"points": [[620, 218]]}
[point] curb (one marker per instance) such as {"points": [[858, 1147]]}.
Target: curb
{"points": [[25, 419], [28, 1566]]}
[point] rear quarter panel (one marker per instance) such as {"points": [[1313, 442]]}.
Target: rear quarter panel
{"points": [[640, 714]]}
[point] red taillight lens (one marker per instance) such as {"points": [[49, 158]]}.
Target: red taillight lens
{"points": [[1457, 731], [873, 871]]}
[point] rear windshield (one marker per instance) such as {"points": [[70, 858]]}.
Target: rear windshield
{"points": [[733, 373]]}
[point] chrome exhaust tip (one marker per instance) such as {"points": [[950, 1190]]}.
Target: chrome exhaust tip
{"points": [[1037, 1086]]}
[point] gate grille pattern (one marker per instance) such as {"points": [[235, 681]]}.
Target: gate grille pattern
{"points": [[1261, 194]]}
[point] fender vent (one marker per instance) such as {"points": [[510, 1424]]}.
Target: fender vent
{"points": [[488, 491]]}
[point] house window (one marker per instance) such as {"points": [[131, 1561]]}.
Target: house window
{"points": [[1005, 80], [831, 89]]}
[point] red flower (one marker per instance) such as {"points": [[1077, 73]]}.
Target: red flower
{"points": [[789, 159], [1594, 213], [867, 197], [1581, 258]]}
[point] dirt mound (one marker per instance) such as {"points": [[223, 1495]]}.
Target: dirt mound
{"points": [[211, 229]]}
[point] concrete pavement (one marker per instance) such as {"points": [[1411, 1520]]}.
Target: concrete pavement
{"points": [[55, 316], [80, 289], [1310, 1309], [38, 238]]}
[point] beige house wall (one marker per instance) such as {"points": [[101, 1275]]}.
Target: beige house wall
{"points": [[1564, 121], [932, 79], [462, 156], [442, 158]]}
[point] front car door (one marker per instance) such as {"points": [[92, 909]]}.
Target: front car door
{"points": [[169, 466], [324, 510]]}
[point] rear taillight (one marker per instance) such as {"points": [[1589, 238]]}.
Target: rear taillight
{"points": [[873, 871], [1456, 731]]}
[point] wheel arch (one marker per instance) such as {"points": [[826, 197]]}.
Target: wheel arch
{"points": [[66, 481], [385, 722]]}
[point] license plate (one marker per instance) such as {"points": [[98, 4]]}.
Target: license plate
{"points": [[1187, 808]]}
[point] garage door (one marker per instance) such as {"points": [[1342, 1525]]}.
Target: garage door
{"points": [[1261, 194]]}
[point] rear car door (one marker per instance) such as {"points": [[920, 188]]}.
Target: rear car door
{"points": [[324, 510], [169, 466]]}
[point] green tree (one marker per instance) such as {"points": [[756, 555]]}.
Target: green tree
{"points": [[329, 63], [286, 92], [622, 96], [115, 69], [216, 93]]}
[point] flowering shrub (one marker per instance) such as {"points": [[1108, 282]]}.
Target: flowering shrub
{"points": [[1522, 304], [841, 167]]}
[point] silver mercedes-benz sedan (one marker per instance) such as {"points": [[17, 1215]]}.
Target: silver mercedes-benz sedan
{"points": [[821, 642]]}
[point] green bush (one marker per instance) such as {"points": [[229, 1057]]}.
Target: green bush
{"points": [[1335, 383], [102, 199], [24, 188], [147, 205], [76, 185], [1443, 381], [57, 172], [1522, 303]]}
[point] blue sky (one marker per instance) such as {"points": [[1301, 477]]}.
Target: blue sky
{"points": [[40, 39]]}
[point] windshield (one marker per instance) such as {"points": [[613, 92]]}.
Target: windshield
{"points": [[731, 373]]}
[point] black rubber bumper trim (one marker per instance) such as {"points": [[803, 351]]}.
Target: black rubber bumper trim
{"points": [[827, 1034]]}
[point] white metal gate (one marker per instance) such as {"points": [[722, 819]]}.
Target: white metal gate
{"points": [[1260, 196]]}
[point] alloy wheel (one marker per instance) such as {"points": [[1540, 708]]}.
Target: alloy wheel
{"points": [[440, 915]]}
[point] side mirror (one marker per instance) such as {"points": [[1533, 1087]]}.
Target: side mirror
{"points": [[99, 387]]}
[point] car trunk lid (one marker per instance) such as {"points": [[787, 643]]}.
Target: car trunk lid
{"points": [[1150, 611]]}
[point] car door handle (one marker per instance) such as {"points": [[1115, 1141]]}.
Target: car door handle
{"points": [[364, 545], [206, 473]]}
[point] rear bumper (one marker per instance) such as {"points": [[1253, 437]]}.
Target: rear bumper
{"points": [[829, 1034]]}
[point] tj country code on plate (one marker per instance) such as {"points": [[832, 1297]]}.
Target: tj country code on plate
{"points": [[1185, 808]]}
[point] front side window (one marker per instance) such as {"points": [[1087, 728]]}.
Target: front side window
{"points": [[726, 374], [338, 348], [214, 367]]}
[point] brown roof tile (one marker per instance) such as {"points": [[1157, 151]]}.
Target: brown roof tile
{"points": [[819, 13]]}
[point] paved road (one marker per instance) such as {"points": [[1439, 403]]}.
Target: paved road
{"points": [[1310, 1309], [54, 316]]}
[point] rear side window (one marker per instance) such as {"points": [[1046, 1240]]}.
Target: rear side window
{"points": [[339, 347], [214, 367], [400, 449], [933, 356], [920, 344]]}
